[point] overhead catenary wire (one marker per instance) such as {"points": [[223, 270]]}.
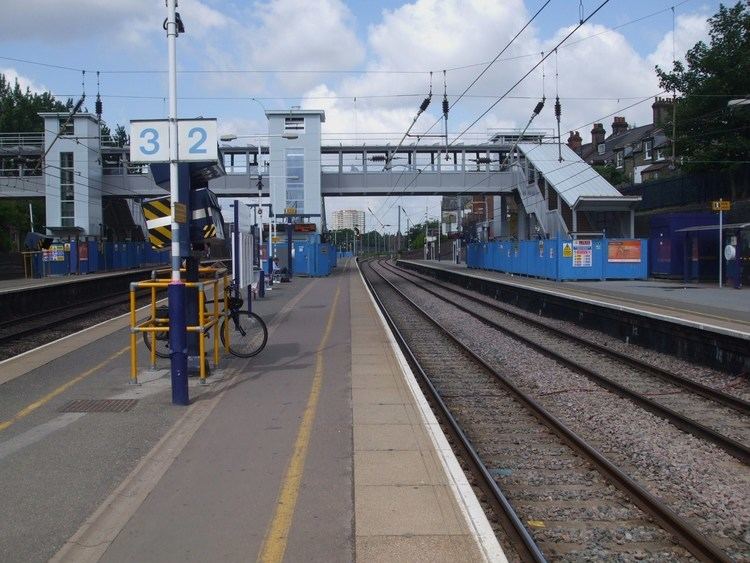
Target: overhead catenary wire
{"points": [[498, 100], [332, 71], [423, 106], [476, 79], [509, 90]]}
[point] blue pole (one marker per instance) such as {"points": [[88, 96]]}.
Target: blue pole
{"points": [[178, 343]]}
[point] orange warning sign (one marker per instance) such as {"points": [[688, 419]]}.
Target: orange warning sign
{"points": [[624, 251]]}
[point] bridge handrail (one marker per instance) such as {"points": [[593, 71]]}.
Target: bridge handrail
{"points": [[21, 139]]}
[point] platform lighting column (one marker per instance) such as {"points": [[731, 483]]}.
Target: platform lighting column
{"points": [[176, 290]]}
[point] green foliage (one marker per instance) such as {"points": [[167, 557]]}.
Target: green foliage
{"points": [[120, 136], [416, 233], [614, 176], [708, 133], [14, 221], [18, 108]]}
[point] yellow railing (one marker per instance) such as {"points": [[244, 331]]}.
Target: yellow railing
{"points": [[28, 263], [155, 324]]}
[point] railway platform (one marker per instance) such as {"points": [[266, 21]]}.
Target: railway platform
{"points": [[25, 284], [321, 448], [690, 304]]}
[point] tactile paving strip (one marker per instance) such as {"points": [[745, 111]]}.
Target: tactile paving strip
{"points": [[99, 405]]}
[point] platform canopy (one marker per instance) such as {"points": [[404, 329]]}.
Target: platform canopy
{"points": [[575, 181]]}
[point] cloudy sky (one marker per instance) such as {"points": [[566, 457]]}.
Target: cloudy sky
{"points": [[366, 63]]}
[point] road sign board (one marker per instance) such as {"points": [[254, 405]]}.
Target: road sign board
{"points": [[149, 141], [721, 205]]}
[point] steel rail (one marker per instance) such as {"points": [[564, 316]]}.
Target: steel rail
{"points": [[726, 399], [512, 524], [76, 311], [700, 546], [730, 445]]}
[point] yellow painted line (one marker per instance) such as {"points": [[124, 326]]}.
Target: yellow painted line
{"points": [[28, 409], [277, 535]]}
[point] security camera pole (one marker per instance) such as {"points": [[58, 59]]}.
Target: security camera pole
{"points": [[176, 289]]}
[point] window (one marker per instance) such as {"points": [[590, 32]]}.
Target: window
{"points": [[618, 159], [660, 154], [66, 127], [329, 162], [67, 204], [296, 124], [352, 162], [600, 148], [532, 174], [647, 146], [295, 179]]}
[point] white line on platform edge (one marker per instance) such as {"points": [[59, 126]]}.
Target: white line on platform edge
{"points": [[472, 511]]}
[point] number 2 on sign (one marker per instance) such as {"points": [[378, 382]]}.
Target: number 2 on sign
{"points": [[202, 135], [153, 141]]}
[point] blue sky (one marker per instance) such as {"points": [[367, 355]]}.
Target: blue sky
{"points": [[613, 65]]}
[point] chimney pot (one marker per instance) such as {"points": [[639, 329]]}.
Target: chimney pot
{"points": [[619, 125], [597, 134]]}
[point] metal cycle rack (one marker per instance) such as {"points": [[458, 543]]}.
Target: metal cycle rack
{"points": [[206, 320]]}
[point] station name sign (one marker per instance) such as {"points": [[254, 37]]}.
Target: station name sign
{"points": [[196, 140]]}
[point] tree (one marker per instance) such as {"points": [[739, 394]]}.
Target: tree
{"points": [[19, 108], [709, 135], [14, 221], [120, 138], [613, 175]]}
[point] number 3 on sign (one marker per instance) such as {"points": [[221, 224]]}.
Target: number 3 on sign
{"points": [[152, 138], [149, 141]]}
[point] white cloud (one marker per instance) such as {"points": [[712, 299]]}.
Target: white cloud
{"points": [[689, 29], [11, 75], [132, 24]]}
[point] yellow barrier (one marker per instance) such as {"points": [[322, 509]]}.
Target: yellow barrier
{"points": [[155, 324]]}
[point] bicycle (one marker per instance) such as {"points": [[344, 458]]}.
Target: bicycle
{"points": [[246, 331]]}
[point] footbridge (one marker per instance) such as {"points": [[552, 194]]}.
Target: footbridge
{"points": [[552, 189]]}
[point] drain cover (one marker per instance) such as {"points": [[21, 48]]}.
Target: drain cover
{"points": [[99, 405]]}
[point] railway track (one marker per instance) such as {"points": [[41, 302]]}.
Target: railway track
{"points": [[703, 411], [572, 501]]}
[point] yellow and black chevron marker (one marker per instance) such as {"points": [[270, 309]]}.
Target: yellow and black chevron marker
{"points": [[209, 231], [158, 221]]}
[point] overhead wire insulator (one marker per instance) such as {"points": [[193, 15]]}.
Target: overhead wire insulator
{"points": [[425, 103], [446, 107], [98, 105], [539, 107], [558, 108]]}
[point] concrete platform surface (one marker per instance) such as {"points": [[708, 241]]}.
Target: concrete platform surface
{"points": [[319, 449], [726, 308]]}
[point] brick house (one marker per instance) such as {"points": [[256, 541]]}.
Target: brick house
{"points": [[641, 153]]}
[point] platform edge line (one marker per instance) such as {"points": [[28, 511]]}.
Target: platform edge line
{"points": [[464, 495]]}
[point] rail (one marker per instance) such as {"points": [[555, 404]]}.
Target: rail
{"points": [[690, 537]]}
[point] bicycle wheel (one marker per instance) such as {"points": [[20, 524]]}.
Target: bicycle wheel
{"points": [[162, 343], [247, 334]]}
